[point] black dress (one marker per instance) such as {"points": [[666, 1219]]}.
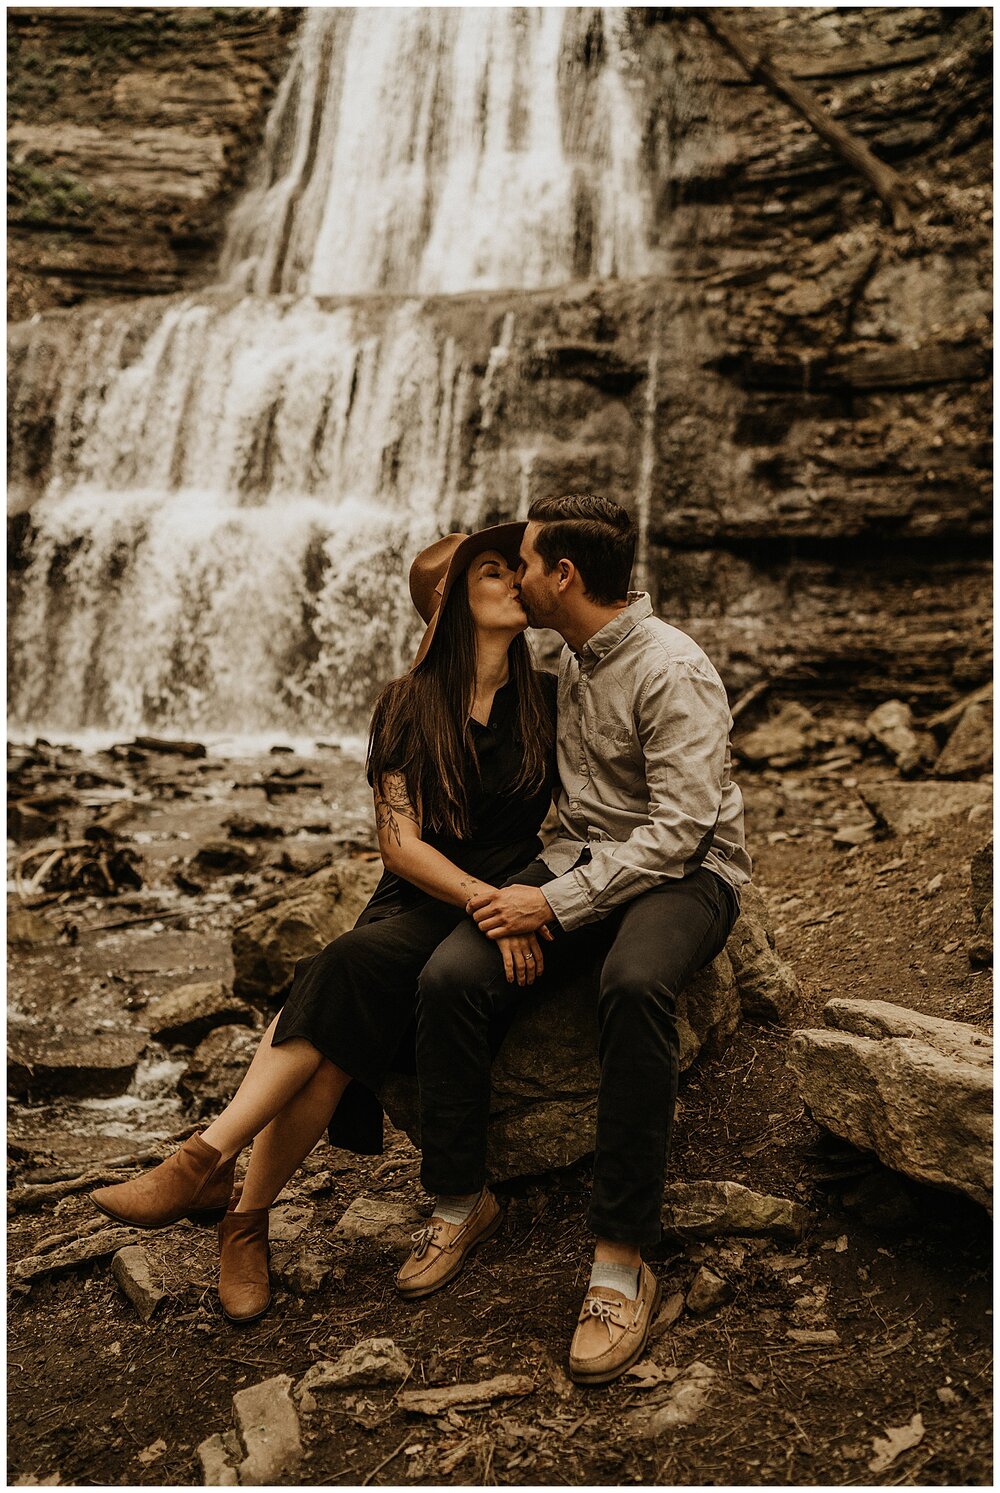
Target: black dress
{"points": [[356, 1000]]}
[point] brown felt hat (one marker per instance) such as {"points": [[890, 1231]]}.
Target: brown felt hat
{"points": [[435, 570]]}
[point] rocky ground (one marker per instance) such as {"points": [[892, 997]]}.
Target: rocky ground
{"points": [[857, 1352]]}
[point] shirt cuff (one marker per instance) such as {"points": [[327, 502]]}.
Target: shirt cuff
{"points": [[568, 900]]}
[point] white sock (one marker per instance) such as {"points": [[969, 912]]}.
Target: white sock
{"points": [[454, 1210], [624, 1278]]}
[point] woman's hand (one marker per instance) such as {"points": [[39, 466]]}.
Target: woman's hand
{"points": [[522, 956]]}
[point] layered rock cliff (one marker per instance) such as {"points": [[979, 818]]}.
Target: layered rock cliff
{"points": [[797, 407], [128, 131]]}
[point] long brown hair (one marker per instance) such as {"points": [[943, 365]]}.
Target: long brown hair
{"points": [[420, 723]]}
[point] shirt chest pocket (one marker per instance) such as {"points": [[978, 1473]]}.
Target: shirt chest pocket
{"points": [[613, 732]]}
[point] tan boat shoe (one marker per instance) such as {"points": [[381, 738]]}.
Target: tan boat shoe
{"points": [[612, 1331], [440, 1249]]}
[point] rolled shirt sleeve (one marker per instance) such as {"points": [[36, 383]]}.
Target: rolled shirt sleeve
{"points": [[683, 722]]}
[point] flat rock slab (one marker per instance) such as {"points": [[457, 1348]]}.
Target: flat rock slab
{"points": [[917, 1090], [78, 1252], [909, 808], [703, 1210], [372, 1218], [94, 1067]]}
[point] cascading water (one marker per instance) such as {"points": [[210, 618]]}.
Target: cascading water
{"points": [[214, 531]]}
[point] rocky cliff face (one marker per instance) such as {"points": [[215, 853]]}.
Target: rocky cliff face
{"points": [[128, 131], [798, 409]]}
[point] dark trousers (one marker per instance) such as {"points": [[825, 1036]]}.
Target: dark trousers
{"points": [[647, 949]]}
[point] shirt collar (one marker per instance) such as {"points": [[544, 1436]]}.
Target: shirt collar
{"points": [[612, 633]]}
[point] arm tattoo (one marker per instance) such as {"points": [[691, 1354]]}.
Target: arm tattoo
{"points": [[391, 798]]}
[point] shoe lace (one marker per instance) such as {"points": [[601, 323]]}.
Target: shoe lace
{"points": [[605, 1311], [422, 1238]]}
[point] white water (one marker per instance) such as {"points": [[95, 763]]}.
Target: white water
{"points": [[235, 482], [441, 150]]}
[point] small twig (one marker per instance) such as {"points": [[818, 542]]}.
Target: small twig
{"points": [[385, 1461]]}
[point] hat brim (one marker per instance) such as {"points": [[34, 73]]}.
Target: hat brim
{"points": [[503, 537]]}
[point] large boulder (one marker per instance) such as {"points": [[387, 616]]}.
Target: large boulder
{"points": [[769, 990], [291, 925], [916, 1090], [188, 1013], [98, 1066], [545, 1076]]}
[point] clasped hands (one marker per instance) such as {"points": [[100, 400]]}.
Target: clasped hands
{"points": [[515, 917]]}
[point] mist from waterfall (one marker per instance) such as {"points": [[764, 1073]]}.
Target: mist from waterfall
{"points": [[216, 530]]}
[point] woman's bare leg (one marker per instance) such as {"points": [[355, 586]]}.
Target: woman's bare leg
{"points": [[282, 1146], [274, 1077]]}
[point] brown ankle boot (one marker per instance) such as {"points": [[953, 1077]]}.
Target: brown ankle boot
{"points": [[244, 1279], [193, 1183]]}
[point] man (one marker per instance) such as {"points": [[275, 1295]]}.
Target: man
{"points": [[642, 878]]}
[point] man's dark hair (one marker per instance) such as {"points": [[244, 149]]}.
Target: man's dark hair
{"points": [[596, 534]]}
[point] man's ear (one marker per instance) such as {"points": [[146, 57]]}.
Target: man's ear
{"points": [[565, 571]]}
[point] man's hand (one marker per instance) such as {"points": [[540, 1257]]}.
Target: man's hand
{"points": [[522, 958], [511, 910]]}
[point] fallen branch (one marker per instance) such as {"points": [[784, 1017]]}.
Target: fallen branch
{"points": [[885, 182]]}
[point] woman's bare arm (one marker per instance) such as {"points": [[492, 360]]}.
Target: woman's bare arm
{"points": [[406, 854]]}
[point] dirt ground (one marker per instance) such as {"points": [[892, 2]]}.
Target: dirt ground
{"points": [[900, 1272]]}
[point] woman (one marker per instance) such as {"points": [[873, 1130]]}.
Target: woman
{"points": [[461, 762]]}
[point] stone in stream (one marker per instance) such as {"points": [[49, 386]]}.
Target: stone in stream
{"points": [[30, 929], [223, 858], [916, 1090], [131, 1269], [969, 748], [169, 748], [217, 1066], [92, 1067], [891, 724], [189, 1013], [290, 925], [703, 1210], [28, 821]]}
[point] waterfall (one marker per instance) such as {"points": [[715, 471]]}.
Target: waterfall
{"points": [[216, 496]]}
